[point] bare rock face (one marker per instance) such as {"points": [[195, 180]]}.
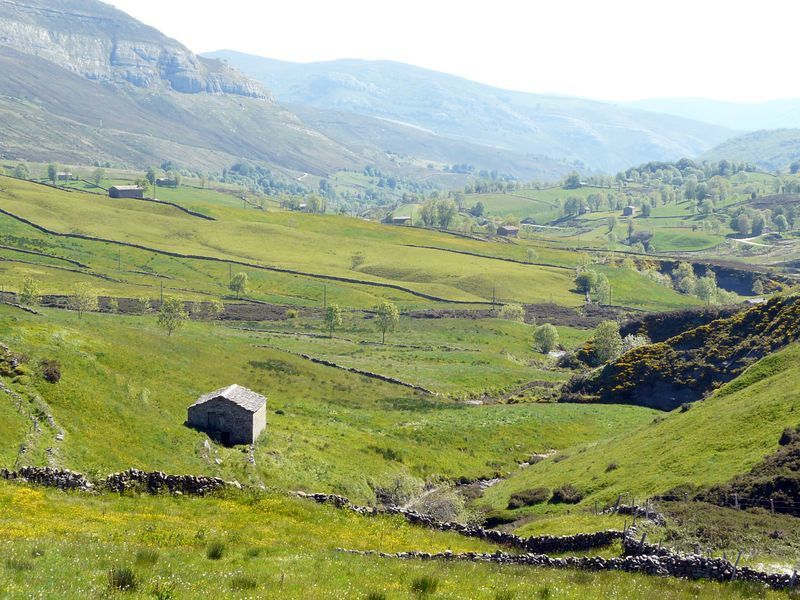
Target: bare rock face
{"points": [[102, 43]]}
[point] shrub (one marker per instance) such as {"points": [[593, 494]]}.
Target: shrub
{"points": [[495, 519], [424, 586], [789, 436], [612, 467], [566, 494], [399, 490], [147, 556], [512, 312], [375, 596], [242, 582], [528, 498], [51, 370], [215, 550], [161, 591], [122, 578], [15, 564], [545, 338]]}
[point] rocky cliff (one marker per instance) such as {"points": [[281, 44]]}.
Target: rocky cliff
{"points": [[99, 42]]}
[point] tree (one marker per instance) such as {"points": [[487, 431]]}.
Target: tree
{"points": [[239, 283], [602, 290], [113, 305], [151, 176], [647, 209], [214, 309], [758, 287], [387, 317], [545, 338], [781, 224], [83, 299], [631, 228], [611, 222], [52, 172], [30, 294], [356, 260], [445, 211], [141, 305], [477, 210], [512, 312], [742, 224], [585, 281], [21, 171], [607, 342], [333, 318], [427, 213], [706, 289], [171, 315], [759, 222], [98, 175]]}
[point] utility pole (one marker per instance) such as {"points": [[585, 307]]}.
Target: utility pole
{"points": [[119, 260], [324, 297], [162, 291], [494, 297]]}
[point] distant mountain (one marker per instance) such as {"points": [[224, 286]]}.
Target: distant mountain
{"points": [[775, 114], [770, 150], [601, 136], [81, 81]]}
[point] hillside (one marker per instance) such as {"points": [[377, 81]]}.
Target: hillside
{"points": [[86, 83], [724, 435], [770, 150], [600, 136], [686, 367]]}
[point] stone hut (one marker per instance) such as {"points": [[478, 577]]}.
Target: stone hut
{"points": [[125, 191], [401, 220], [508, 231], [233, 415], [628, 211]]}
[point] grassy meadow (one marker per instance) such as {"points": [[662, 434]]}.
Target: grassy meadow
{"points": [[65, 545]]}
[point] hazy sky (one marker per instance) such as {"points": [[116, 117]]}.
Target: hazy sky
{"points": [[612, 50]]}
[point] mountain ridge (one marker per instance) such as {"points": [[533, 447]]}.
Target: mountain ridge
{"points": [[599, 135]]}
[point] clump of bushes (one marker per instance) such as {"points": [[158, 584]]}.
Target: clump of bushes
{"points": [[495, 519], [528, 498], [242, 582], [146, 556], [424, 586], [790, 436], [612, 467], [122, 578], [566, 494], [215, 550], [50, 370]]}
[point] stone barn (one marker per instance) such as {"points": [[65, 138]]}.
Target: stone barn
{"points": [[125, 191], [629, 211], [233, 415], [508, 231]]}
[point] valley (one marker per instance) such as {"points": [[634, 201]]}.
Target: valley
{"points": [[359, 329]]}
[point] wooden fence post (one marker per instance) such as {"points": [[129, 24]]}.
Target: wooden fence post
{"points": [[736, 565]]}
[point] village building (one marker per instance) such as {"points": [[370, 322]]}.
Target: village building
{"points": [[64, 176], [166, 182], [508, 231], [125, 191], [233, 415], [629, 211], [401, 220]]}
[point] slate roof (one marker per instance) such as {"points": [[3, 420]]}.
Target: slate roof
{"points": [[125, 188], [247, 399]]}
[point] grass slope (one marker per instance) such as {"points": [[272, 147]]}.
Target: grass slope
{"points": [[126, 385], [718, 438], [59, 545]]}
